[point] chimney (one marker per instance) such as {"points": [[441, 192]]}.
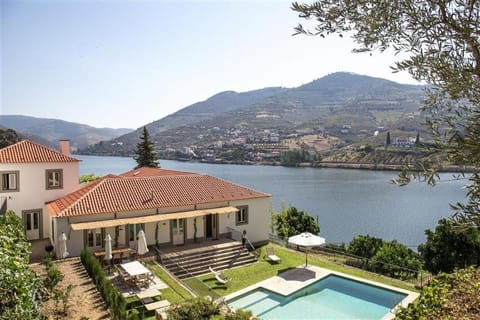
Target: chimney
{"points": [[65, 147]]}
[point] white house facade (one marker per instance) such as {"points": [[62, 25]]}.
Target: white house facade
{"points": [[31, 175]]}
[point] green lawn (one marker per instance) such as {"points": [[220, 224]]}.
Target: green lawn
{"points": [[263, 269], [175, 293]]}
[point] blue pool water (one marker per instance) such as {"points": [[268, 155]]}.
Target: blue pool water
{"points": [[333, 297]]}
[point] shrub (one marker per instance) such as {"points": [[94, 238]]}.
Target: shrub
{"points": [[112, 297]]}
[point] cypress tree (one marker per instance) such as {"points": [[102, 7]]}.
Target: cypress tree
{"points": [[145, 154], [388, 138]]}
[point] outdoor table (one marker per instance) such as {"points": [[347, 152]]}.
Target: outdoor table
{"points": [[121, 251], [146, 296], [141, 275], [135, 268]]}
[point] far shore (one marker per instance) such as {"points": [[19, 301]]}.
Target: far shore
{"points": [[326, 164]]}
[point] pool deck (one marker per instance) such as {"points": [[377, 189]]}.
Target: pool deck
{"points": [[295, 279]]}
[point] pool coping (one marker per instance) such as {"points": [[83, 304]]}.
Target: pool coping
{"points": [[295, 279]]}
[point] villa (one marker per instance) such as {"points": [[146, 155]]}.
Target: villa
{"points": [[173, 207]]}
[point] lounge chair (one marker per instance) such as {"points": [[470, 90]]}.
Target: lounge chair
{"points": [[271, 255], [219, 276]]}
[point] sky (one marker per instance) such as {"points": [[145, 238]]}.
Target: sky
{"points": [[124, 64]]}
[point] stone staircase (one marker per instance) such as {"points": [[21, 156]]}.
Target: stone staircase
{"points": [[193, 262]]}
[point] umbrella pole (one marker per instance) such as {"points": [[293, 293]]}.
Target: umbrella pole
{"points": [[306, 257]]}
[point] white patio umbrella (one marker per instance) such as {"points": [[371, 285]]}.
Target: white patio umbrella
{"points": [[108, 247], [142, 243], [307, 240], [62, 246]]}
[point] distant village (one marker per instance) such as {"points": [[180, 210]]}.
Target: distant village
{"points": [[247, 145]]}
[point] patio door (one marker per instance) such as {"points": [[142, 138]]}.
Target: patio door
{"points": [[178, 231], [94, 238], [32, 224], [211, 226]]}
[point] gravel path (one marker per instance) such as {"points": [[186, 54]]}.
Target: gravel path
{"points": [[85, 301]]}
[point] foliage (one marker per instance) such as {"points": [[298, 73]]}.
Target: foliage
{"points": [[449, 247], [364, 246], [54, 276], [110, 294], [397, 261], [388, 142], [451, 296], [440, 43], [8, 137], [290, 221], [88, 178], [200, 308], [20, 288], [205, 308], [294, 158], [145, 154], [385, 257], [63, 297]]}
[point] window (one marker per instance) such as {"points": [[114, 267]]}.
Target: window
{"points": [[54, 178], [94, 238], [242, 215], [9, 181]]}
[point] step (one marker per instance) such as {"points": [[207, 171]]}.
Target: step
{"points": [[192, 261], [202, 269], [184, 275], [179, 256]]}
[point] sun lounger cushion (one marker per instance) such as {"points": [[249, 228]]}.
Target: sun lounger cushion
{"points": [[272, 256]]}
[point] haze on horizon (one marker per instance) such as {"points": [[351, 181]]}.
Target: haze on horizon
{"points": [[125, 64]]}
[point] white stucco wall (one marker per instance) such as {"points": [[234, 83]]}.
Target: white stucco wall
{"points": [[258, 225], [33, 193]]}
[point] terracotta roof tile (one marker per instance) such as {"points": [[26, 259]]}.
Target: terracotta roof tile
{"points": [[117, 194], [29, 152], [149, 172]]}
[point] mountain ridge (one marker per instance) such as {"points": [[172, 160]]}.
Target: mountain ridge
{"points": [[48, 131], [326, 105]]}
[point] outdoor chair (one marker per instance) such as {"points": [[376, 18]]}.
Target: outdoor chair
{"points": [[272, 256], [219, 276]]}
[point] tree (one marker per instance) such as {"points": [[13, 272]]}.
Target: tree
{"points": [[388, 138], [396, 260], [145, 153], [8, 137], [417, 139], [290, 221], [88, 178], [448, 247], [364, 246], [20, 289], [441, 45]]}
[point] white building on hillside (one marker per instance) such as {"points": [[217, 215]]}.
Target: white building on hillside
{"points": [[172, 207]]}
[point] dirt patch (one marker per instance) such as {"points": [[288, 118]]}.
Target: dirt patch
{"points": [[85, 301]]}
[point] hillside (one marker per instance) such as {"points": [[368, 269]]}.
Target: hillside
{"points": [[337, 110], [49, 131]]}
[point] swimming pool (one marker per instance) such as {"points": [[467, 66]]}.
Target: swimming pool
{"points": [[332, 297]]}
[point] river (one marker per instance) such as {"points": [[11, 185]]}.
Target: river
{"points": [[347, 202]]}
